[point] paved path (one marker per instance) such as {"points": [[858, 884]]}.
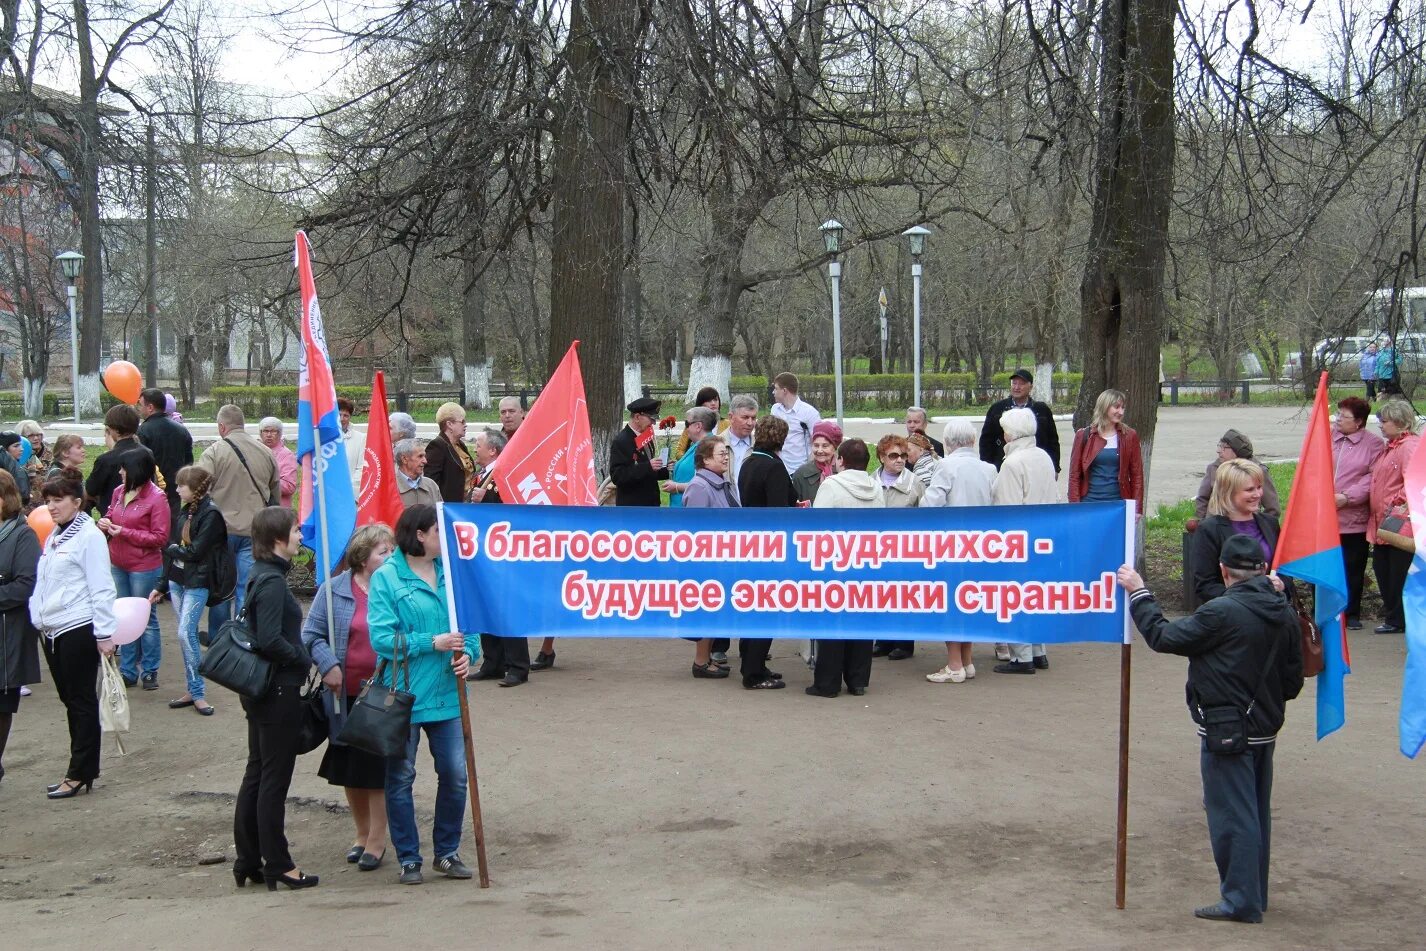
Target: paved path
{"points": [[1187, 436]]}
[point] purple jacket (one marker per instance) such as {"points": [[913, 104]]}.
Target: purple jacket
{"points": [[1352, 460], [709, 490]]}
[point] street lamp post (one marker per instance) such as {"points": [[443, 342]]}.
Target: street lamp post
{"points": [[917, 235], [72, 262], [832, 239]]}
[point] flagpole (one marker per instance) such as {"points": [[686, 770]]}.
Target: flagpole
{"points": [[326, 555], [473, 787], [1121, 832]]}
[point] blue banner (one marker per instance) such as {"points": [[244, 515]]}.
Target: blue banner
{"points": [[1034, 573]]}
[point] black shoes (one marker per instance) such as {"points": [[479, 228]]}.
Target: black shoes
{"points": [[301, 881], [452, 867], [814, 692], [1219, 913], [411, 874], [482, 673], [355, 853], [1354, 624], [709, 671], [69, 788], [767, 683], [880, 651], [242, 878], [1388, 629], [369, 862], [899, 653], [1042, 662], [543, 661], [130, 681], [1015, 667], [511, 679], [857, 691], [149, 681]]}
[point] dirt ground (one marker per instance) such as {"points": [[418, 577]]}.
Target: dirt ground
{"points": [[629, 806]]}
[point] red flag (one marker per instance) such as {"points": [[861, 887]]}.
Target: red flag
{"points": [[379, 500], [550, 459]]}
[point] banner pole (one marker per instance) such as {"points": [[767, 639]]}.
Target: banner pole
{"points": [[1121, 832], [318, 468], [467, 736]]}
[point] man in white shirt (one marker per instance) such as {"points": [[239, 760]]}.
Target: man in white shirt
{"points": [[742, 415], [800, 417]]}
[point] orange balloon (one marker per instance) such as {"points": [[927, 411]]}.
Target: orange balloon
{"points": [[123, 381], [41, 521]]}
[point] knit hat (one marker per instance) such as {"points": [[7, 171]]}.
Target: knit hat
{"points": [[8, 439], [1241, 445], [829, 431]]}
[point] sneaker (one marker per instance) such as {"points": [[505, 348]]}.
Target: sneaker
{"points": [[452, 867], [149, 680], [25, 692], [970, 671], [1002, 651], [411, 874], [947, 676], [720, 657], [130, 681]]}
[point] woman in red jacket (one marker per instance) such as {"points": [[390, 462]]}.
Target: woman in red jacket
{"points": [[1107, 464], [136, 525]]}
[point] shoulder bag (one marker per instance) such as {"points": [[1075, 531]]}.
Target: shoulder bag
{"points": [[1395, 528], [379, 720], [1225, 727], [1312, 662], [271, 499], [232, 662]]}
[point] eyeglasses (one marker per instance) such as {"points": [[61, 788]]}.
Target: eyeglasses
{"points": [[895, 455]]}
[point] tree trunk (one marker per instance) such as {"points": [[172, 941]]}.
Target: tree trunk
{"points": [[588, 252], [1121, 296], [633, 309], [475, 361], [716, 321]]}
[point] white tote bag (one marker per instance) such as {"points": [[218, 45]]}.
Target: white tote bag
{"points": [[113, 701]]}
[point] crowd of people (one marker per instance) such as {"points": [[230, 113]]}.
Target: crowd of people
{"points": [[218, 532]]}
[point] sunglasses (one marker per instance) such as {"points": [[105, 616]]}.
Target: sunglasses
{"points": [[896, 455]]}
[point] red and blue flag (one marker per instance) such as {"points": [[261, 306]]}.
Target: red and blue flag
{"points": [[1310, 549], [1413, 600], [327, 511]]}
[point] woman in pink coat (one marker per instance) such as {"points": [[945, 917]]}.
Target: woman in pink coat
{"points": [[1355, 450], [1398, 424], [136, 525]]}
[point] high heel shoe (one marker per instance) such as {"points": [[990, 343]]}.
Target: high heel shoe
{"points": [[242, 878], [70, 788], [302, 881]]}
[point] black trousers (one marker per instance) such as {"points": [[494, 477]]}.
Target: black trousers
{"points": [[502, 654], [752, 658], [74, 664], [1237, 795], [839, 661], [889, 646], [720, 645], [1390, 566], [259, 820], [1355, 551], [1371, 389]]}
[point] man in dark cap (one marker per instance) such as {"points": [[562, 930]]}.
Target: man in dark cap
{"points": [[1235, 445], [1244, 653], [992, 437], [634, 467]]}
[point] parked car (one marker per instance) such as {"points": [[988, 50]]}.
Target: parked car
{"points": [[1342, 357]]}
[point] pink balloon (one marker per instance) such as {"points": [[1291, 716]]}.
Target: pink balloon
{"points": [[133, 616]]}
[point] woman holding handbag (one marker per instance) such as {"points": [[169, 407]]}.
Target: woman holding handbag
{"points": [[273, 620], [345, 658], [1388, 492], [407, 617], [19, 644], [192, 563], [73, 606]]}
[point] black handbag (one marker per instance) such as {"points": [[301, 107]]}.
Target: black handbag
{"points": [[232, 662], [379, 720], [312, 727]]}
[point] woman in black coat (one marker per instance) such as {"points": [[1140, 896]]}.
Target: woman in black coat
{"points": [[19, 641], [1233, 509], [449, 463], [274, 622], [763, 482]]}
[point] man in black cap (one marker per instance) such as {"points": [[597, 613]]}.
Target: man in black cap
{"points": [[636, 471], [992, 438], [1244, 653]]}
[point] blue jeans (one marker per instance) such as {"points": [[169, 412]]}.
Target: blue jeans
{"points": [[242, 548], [149, 646], [188, 604], [448, 750]]}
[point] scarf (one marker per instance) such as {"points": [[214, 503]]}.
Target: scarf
{"points": [[66, 532]]}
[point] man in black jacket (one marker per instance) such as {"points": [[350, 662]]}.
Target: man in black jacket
{"points": [[992, 437], [1245, 661], [121, 424], [170, 443], [636, 471]]}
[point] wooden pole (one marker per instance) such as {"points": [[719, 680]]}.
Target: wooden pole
{"points": [[473, 785], [1121, 839]]}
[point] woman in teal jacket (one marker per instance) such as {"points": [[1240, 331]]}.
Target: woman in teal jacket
{"points": [[407, 604]]}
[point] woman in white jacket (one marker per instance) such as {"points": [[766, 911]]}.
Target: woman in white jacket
{"points": [[73, 607], [1027, 477]]}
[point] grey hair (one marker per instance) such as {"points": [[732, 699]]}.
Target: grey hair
{"points": [[402, 426], [743, 401], [959, 432], [1017, 422], [514, 400], [1399, 412], [917, 409], [704, 416], [231, 416], [404, 448], [494, 438], [1237, 575], [270, 422]]}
